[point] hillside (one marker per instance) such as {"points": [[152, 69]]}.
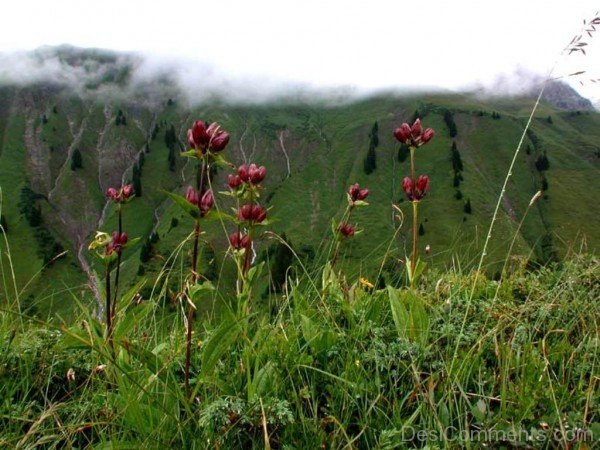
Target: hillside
{"points": [[313, 151]]}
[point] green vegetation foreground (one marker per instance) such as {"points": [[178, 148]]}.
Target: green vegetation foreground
{"points": [[331, 366]]}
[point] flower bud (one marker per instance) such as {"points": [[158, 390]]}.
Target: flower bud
{"points": [[427, 135], [362, 194], [346, 230], [243, 173], [402, 133], [192, 196], [261, 215], [112, 194], [234, 181], [206, 203], [219, 141], [245, 212], [126, 191], [415, 191], [199, 134], [422, 185], [190, 138], [407, 186], [353, 191], [239, 241], [416, 129]]}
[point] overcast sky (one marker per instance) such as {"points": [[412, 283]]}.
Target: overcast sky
{"points": [[366, 44]]}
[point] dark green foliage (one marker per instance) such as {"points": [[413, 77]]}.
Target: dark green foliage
{"points": [[374, 135], [535, 140], [421, 230], [76, 160], [496, 115], [549, 120], [171, 142], [48, 247], [154, 238], [528, 149], [542, 163], [544, 184], [55, 109], [457, 164], [403, 152], [146, 251], [3, 224], [468, 209], [147, 148], [174, 222], [170, 102], [120, 119], [458, 194], [449, 120], [281, 261], [416, 115], [370, 162], [44, 119], [29, 208], [137, 179], [456, 180]]}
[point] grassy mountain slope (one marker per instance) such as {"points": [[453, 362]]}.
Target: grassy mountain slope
{"points": [[312, 152]]}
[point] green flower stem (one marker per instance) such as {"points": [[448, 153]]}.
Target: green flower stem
{"points": [[413, 259], [202, 168], [118, 270], [109, 325]]}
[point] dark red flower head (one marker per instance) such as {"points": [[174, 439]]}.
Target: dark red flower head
{"points": [[356, 193], [211, 138], [121, 195], [116, 244], [413, 136], [239, 240], [234, 181], [415, 191], [346, 229], [253, 213], [256, 174]]}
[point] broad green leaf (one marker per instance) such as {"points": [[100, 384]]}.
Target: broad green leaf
{"points": [[191, 210]]}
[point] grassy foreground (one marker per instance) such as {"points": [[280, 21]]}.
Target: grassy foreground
{"points": [[331, 363]]}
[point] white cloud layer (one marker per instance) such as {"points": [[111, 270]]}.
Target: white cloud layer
{"points": [[264, 46]]}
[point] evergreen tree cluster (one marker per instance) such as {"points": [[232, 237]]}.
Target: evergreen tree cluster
{"points": [[449, 119], [76, 160], [48, 247], [171, 143], [370, 162], [136, 175], [120, 120]]}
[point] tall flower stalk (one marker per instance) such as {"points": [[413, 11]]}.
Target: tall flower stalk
{"points": [[245, 187], [109, 248], [119, 197], [356, 197], [415, 188], [205, 142]]}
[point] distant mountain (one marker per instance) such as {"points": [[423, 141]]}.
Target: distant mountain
{"points": [[61, 147], [563, 96]]}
